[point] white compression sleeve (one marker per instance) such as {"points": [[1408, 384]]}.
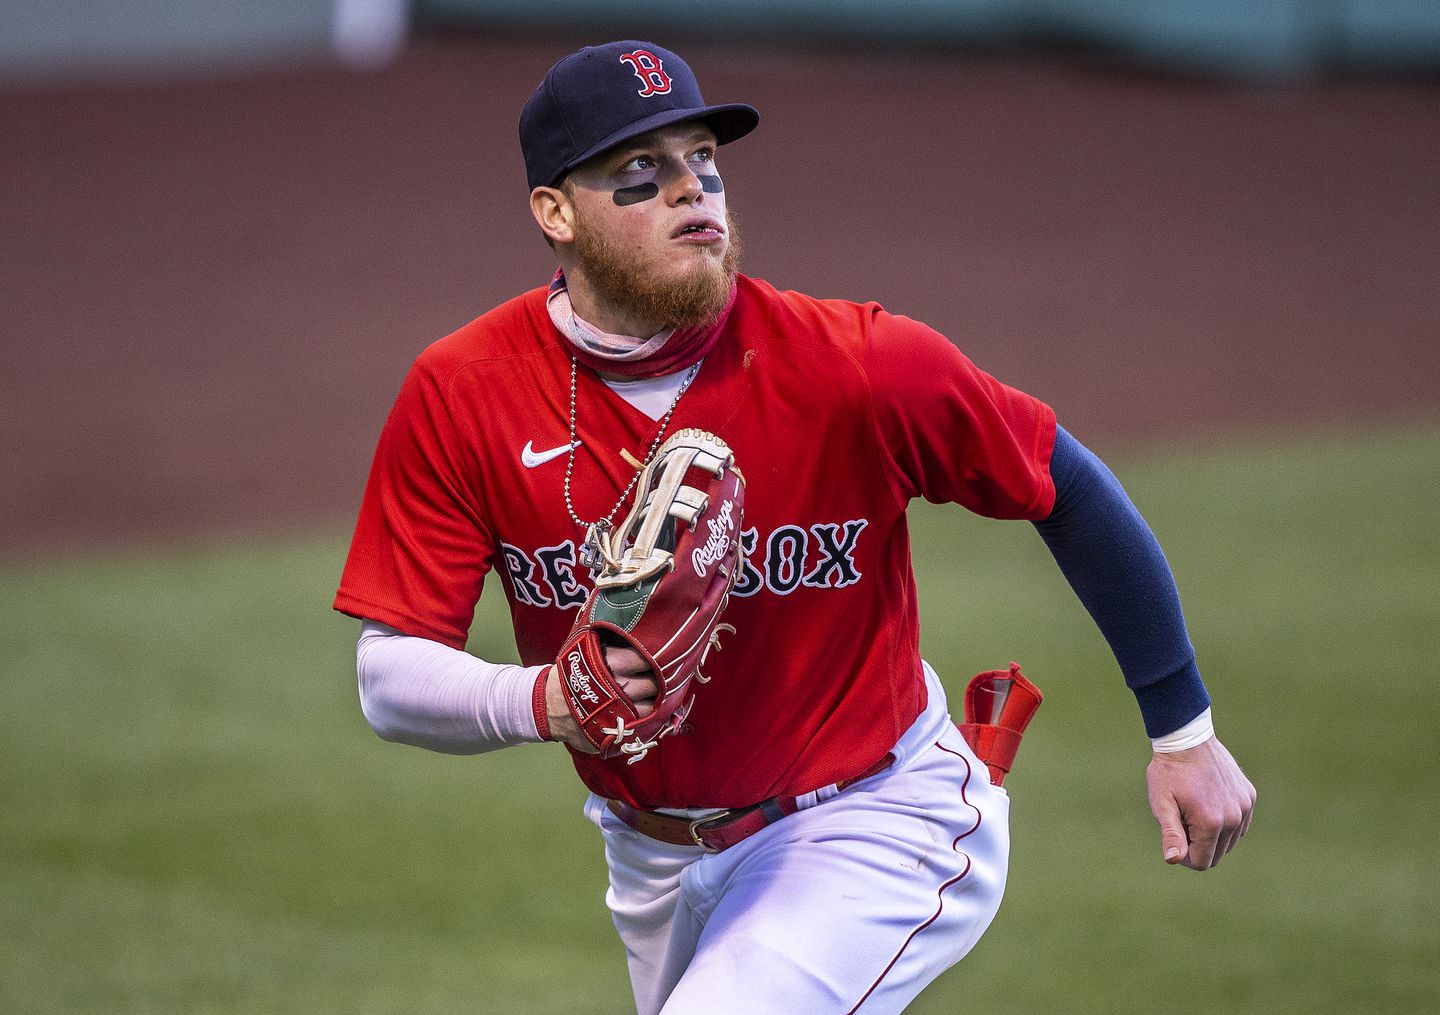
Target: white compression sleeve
{"points": [[419, 692]]}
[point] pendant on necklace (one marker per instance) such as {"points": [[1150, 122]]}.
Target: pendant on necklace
{"points": [[590, 554]]}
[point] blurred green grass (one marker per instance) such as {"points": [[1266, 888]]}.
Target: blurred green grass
{"points": [[196, 818]]}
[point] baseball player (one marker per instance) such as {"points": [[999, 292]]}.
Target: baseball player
{"points": [[692, 487]]}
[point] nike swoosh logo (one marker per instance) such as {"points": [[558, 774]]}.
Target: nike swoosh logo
{"points": [[530, 458]]}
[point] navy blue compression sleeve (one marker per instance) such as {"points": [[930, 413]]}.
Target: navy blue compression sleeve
{"points": [[1113, 562]]}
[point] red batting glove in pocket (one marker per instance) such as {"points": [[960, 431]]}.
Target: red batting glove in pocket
{"points": [[999, 704]]}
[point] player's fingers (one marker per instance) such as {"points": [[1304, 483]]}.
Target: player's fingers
{"points": [[634, 676], [1173, 841], [1240, 821], [1234, 816], [1229, 836], [625, 661], [642, 691], [1205, 831], [1249, 808]]}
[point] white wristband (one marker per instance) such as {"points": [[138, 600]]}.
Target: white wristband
{"points": [[1192, 734]]}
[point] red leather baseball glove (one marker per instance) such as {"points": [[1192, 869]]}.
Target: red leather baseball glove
{"points": [[665, 577]]}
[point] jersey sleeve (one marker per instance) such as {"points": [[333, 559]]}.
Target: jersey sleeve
{"points": [[950, 432], [421, 547]]}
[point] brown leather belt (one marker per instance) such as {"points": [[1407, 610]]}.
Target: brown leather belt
{"points": [[723, 830]]}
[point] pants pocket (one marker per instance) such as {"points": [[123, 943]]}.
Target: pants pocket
{"points": [[594, 809]]}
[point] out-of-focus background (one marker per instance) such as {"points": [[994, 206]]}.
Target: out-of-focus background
{"points": [[1207, 233]]}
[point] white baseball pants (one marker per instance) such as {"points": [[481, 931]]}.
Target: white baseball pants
{"points": [[852, 905]]}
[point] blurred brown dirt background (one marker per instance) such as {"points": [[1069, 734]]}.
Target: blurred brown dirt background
{"points": [[212, 290]]}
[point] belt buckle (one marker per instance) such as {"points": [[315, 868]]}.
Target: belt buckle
{"points": [[695, 830]]}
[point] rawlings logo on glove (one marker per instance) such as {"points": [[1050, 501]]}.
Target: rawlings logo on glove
{"points": [[722, 535], [665, 577]]}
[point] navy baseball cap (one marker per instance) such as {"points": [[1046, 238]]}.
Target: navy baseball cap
{"points": [[602, 96]]}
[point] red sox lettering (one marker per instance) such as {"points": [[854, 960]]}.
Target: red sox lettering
{"points": [[547, 576], [820, 556]]}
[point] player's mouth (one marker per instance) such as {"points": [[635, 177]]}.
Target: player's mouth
{"points": [[700, 230]]}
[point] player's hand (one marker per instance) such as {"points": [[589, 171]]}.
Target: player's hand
{"points": [[634, 677], [1202, 801]]}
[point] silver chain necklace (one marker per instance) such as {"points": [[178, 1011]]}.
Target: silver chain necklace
{"points": [[590, 552]]}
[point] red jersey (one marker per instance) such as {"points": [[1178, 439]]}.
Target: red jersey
{"points": [[839, 415]]}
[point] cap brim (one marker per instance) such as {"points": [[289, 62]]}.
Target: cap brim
{"points": [[730, 122]]}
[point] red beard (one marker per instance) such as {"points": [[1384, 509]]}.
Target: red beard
{"points": [[682, 298]]}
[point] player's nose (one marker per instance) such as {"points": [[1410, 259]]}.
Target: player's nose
{"points": [[684, 186]]}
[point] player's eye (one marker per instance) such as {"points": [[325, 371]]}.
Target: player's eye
{"points": [[639, 164], [704, 155]]}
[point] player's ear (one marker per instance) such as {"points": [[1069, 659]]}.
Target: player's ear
{"points": [[554, 212]]}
